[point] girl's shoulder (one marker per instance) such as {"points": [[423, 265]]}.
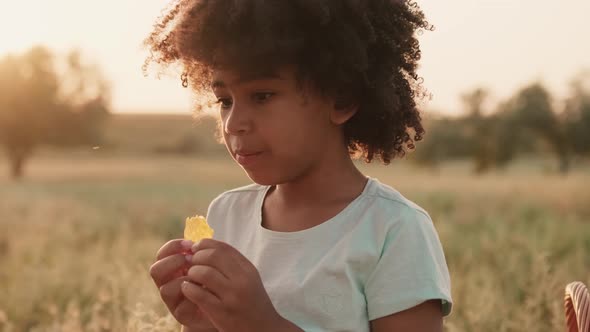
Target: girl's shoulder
{"points": [[236, 203], [384, 196], [240, 198], [250, 188], [245, 192]]}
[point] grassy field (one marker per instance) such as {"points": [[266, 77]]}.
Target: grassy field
{"points": [[78, 234]]}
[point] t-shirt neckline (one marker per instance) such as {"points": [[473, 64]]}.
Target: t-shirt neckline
{"points": [[308, 232]]}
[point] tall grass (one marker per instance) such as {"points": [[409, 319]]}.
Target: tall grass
{"points": [[77, 237]]}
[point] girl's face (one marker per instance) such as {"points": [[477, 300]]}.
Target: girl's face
{"points": [[271, 129]]}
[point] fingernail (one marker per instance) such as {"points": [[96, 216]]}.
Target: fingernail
{"points": [[188, 258], [186, 244]]}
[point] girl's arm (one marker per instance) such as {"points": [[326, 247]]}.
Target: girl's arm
{"points": [[425, 317], [282, 326], [188, 329]]}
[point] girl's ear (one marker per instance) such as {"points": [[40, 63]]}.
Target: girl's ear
{"points": [[342, 111]]}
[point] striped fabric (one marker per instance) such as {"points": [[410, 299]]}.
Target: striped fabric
{"points": [[577, 307]]}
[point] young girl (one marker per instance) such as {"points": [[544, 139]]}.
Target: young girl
{"points": [[303, 86]]}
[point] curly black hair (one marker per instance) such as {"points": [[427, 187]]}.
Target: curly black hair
{"points": [[359, 52]]}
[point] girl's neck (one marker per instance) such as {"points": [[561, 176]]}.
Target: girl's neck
{"points": [[328, 183]]}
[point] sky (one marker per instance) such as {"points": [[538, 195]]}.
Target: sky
{"points": [[501, 45]]}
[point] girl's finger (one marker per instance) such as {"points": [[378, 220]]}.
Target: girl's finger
{"points": [[172, 247], [221, 259], [210, 278], [171, 293], [166, 268], [188, 313], [201, 296]]}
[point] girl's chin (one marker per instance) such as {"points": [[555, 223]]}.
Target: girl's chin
{"points": [[263, 178]]}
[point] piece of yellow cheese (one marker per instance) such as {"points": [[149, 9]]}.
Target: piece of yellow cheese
{"points": [[196, 228]]}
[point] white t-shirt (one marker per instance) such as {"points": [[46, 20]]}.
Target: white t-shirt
{"points": [[378, 256]]}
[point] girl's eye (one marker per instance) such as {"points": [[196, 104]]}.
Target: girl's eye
{"points": [[224, 102], [258, 97], [261, 97]]}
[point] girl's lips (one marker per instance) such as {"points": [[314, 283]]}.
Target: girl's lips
{"points": [[246, 159]]}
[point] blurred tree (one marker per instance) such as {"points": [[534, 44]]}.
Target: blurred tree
{"points": [[41, 105], [445, 139], [507, 137], [481, 129], [576, 115], [533, 109], [517, 125]]}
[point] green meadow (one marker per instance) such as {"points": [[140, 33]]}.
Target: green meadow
{"points": [[79, 232]]}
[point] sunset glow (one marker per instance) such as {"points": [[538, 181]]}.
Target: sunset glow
{"points": [[498, 44], [20, 26]]}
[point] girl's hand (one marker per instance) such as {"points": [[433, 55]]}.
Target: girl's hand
{"points": [[228, 289], [168, 272]]}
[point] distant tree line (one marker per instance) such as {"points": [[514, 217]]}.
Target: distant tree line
{"points": [[532, 121], [46, 99], [51, 100]]}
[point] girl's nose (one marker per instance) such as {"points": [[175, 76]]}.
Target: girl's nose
{"points": [[237, 122]]}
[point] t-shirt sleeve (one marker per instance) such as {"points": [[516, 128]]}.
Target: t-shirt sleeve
{"points": [[412, 268], [216, 213]]}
